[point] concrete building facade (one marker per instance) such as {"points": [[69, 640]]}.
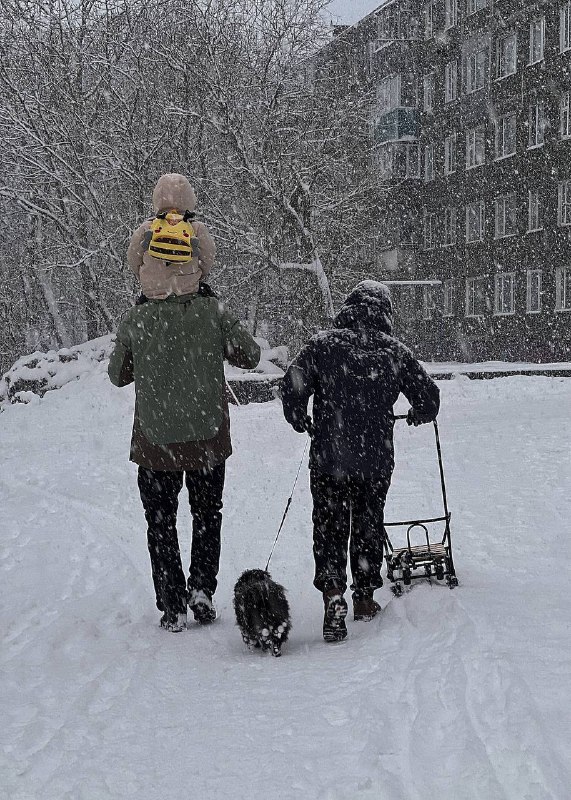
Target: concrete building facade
{"points": [[471, 125]]}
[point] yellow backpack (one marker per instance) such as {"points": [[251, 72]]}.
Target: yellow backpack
{"points": [[172, 236]]}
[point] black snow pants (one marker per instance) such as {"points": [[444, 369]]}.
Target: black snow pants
{"points": [[347, 512], [159, 494]]}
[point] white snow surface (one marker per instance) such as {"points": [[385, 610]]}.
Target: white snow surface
{"points": [[448, 695]]}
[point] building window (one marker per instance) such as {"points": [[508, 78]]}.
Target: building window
{"points": [[476, 299], [506, 215], [536, 125], [476, 70], [506, 136], [506, 56], [504, 293], [533, 301], [475, 221], [429, 91], [429, 20], [398, 23], [475, 147], [450, 14], [563, 289], [564, 205], [476, 5], [412, 161], [565, 28], [403, 160], [533, 212], [428, 302], [428, 163], [371, 51], [564, 116], [429, 231], [448, 300], [536, 40], [397, 161], [450, 154], [450, 81], [388, 94], [450, 220], [383, 161]]}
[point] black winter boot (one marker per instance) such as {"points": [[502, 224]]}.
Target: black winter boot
{"points": [[334, 628], [201, 605], [171, 621], [364, 607]]}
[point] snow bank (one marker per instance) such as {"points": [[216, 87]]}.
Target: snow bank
{"points": [[34, 375], [38, 373]]}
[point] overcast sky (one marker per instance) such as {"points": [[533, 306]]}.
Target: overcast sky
{"points": [[348, 12]]}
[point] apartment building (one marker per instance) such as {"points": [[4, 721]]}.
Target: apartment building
{"points": [[472, 132]]}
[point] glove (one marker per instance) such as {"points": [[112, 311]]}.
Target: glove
{"points": [[416, 418], [303, 425], [205, 290]]}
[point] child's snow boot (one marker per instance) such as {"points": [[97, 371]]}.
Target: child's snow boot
{"points": [[201, 605], [364, 607], [173, 621], [334, 628]]}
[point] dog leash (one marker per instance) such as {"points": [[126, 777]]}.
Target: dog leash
{"points": [[288, 504]]}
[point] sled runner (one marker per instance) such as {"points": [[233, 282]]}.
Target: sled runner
{"points": [[427, 559]]}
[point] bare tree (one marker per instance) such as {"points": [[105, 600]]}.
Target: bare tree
{"points": [[99, 97]]}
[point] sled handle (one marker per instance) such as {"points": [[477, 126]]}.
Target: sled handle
{"points": [[440, 465], [417, 525]]}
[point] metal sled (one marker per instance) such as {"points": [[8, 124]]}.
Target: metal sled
{"points": [[428, 559]]}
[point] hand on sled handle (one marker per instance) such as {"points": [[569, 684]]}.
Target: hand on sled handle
{"points": [[416, 418], [303, 424]]}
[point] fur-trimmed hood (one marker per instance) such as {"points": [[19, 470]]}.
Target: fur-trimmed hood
{"points": [[173, 191]]}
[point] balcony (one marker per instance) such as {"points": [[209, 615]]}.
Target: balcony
{"points": [[397, 125], [397, 161], [398, 258]]}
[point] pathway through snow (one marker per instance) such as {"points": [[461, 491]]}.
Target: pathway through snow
{"points": [[458, 695]]}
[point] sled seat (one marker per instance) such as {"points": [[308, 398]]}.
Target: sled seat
{"points": [[421, 552]]}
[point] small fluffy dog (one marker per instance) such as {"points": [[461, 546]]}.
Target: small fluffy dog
{"points": [[262, 611]]}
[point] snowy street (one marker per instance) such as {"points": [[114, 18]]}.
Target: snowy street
{"points": [[449, 695]]}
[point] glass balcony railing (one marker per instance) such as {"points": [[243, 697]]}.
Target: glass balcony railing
{"points": [[401, 123]]}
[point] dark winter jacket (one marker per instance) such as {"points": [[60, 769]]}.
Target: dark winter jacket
{"points": [[355, 373], [174, 350]]}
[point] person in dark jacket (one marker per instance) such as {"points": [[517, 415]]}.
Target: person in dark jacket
{"points": [[174, 351], [355, 373]]}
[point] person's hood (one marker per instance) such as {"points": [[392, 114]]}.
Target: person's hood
{"points": [[173, 191], [368, 307]]}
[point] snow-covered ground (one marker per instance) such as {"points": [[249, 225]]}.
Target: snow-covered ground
{"points": [[449, 695]]}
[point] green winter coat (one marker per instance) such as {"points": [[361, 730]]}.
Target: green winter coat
{"points": [[177, 349]]}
